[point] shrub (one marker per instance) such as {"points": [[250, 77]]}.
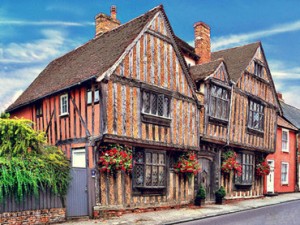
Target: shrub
{"points": [[27, 165], [220, 193]]}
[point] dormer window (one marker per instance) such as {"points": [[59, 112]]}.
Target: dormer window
{"points": [[219, 103], [258, 69]]}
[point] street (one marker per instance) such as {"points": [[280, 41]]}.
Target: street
{"points": [[281, 214]]}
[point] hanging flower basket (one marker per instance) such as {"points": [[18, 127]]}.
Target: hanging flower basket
{"points": [[262, 169], [114, 158], [187, 164], [230, 164]]}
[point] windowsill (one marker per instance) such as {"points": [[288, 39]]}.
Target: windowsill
{"points": [[157, 120], [285, 184], [218, 120], [286, 151], [255, 132], [63, 115], [150, 188]]}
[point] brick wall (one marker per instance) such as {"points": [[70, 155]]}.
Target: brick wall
{"points": [[41, 216]]}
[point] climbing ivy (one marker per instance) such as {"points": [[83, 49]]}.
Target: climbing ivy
{"points": [[27, 164]]}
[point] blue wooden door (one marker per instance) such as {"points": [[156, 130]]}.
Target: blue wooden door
{"points": [[77, 199]]}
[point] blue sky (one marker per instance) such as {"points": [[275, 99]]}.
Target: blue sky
{"points": [[33, 33]]}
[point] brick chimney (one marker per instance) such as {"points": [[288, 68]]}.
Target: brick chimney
{"points": [[106, 23], [279, 95], [202, 42]]}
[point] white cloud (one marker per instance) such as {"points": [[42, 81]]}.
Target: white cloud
{"points": [[282, 70], [36, 51], [240, 39], [20, 63]]}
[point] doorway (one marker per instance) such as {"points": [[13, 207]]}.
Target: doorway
{"points": [[77, 198], [270, 177]]}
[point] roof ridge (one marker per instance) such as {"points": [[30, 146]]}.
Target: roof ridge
{"points": [[212, 61], [257, 42], [124, 24]]}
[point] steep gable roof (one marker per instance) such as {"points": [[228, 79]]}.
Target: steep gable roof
{"points": [[291, 113], [86, 62], [236, 59], [201, 71]]}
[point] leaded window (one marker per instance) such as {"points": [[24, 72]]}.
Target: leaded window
{"points": [[256, 116], [149, 169], [247, 163], [156, 104], [219, 103]]}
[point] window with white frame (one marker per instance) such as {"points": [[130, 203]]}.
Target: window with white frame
{"points": [[64, 104], [285, 140], [284, 173]]}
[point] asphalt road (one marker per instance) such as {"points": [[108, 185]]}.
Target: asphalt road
{"points": [[281, 214]]}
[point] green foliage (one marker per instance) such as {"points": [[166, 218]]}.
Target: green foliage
{"points": [[221, 192], [4, 115], [201, 192], [18, 138], [27, 164], [201, 195]]}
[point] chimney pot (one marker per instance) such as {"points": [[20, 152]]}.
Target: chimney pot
{"points": [[202, 42], [279, 95], [113, 12], [105, 22]]}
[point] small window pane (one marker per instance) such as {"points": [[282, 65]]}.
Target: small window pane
{"points": [[153, 104], [89, 97], [97, 96], [78, 159]]}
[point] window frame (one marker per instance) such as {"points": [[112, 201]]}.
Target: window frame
{"points": [[148, 116], [218, 99], [149, 188], [258, 69], [239, 180], [286, 182], [251, 113], [287, 140], [39, 109], [92, 93], [64, 113]]}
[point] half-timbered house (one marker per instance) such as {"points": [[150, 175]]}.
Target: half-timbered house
{"points": [[130, 85], [239, 114]]}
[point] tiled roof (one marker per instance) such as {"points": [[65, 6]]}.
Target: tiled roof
{"points": [[236, 59], [284, 123], [291, 113], [201, 71], [90, 60], [186, 48]]}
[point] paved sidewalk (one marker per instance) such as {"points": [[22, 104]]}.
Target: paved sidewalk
{"points": [[165, 217]]}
